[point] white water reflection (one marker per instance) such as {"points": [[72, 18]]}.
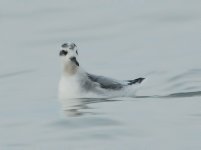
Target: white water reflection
{"points": [[80, 106]]}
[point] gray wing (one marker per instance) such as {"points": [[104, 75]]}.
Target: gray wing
{"points": [[106, 83]]}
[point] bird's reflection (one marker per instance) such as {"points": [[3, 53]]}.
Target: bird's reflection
{"points": [[79, 106]]}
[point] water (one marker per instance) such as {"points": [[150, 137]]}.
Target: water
{"points": [[123, 39]]}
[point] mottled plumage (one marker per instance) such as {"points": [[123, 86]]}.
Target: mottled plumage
{"points": [[76, 83]]}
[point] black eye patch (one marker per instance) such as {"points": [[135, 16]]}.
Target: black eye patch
{"points": [[76, 52], [63, 53]]}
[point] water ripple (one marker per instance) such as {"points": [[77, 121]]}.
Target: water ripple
{"points": [[16, 73]]}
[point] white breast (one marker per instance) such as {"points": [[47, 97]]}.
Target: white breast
{"points": [[69, 87]]}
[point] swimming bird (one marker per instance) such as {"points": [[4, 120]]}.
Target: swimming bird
{"points": [[75, 82]]}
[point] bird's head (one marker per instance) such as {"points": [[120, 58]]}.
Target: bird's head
{"points": [[68, 55]]}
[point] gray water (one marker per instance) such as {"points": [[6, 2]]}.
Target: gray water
{"points": [[159, 40]]}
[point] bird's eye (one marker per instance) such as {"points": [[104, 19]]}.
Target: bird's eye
{"points": [[63, 53], [76, 52]]}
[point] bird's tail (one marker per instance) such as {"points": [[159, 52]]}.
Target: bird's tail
{"points": [[138, 80]]}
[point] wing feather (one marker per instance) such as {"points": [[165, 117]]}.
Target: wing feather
{"points": [[106, 83]]}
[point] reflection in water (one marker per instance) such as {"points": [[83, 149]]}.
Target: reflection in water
{"points": [[80, 106]]}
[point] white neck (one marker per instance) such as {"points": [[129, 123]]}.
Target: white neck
{"points": [[71, 70]]}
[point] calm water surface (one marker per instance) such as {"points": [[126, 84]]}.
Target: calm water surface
{"points": [[159, 40]]}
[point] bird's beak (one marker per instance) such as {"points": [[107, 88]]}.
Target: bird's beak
{"points": [[73, 59]]}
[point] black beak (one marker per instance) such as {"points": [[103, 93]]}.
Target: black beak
{"points": [[73, 59]]}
